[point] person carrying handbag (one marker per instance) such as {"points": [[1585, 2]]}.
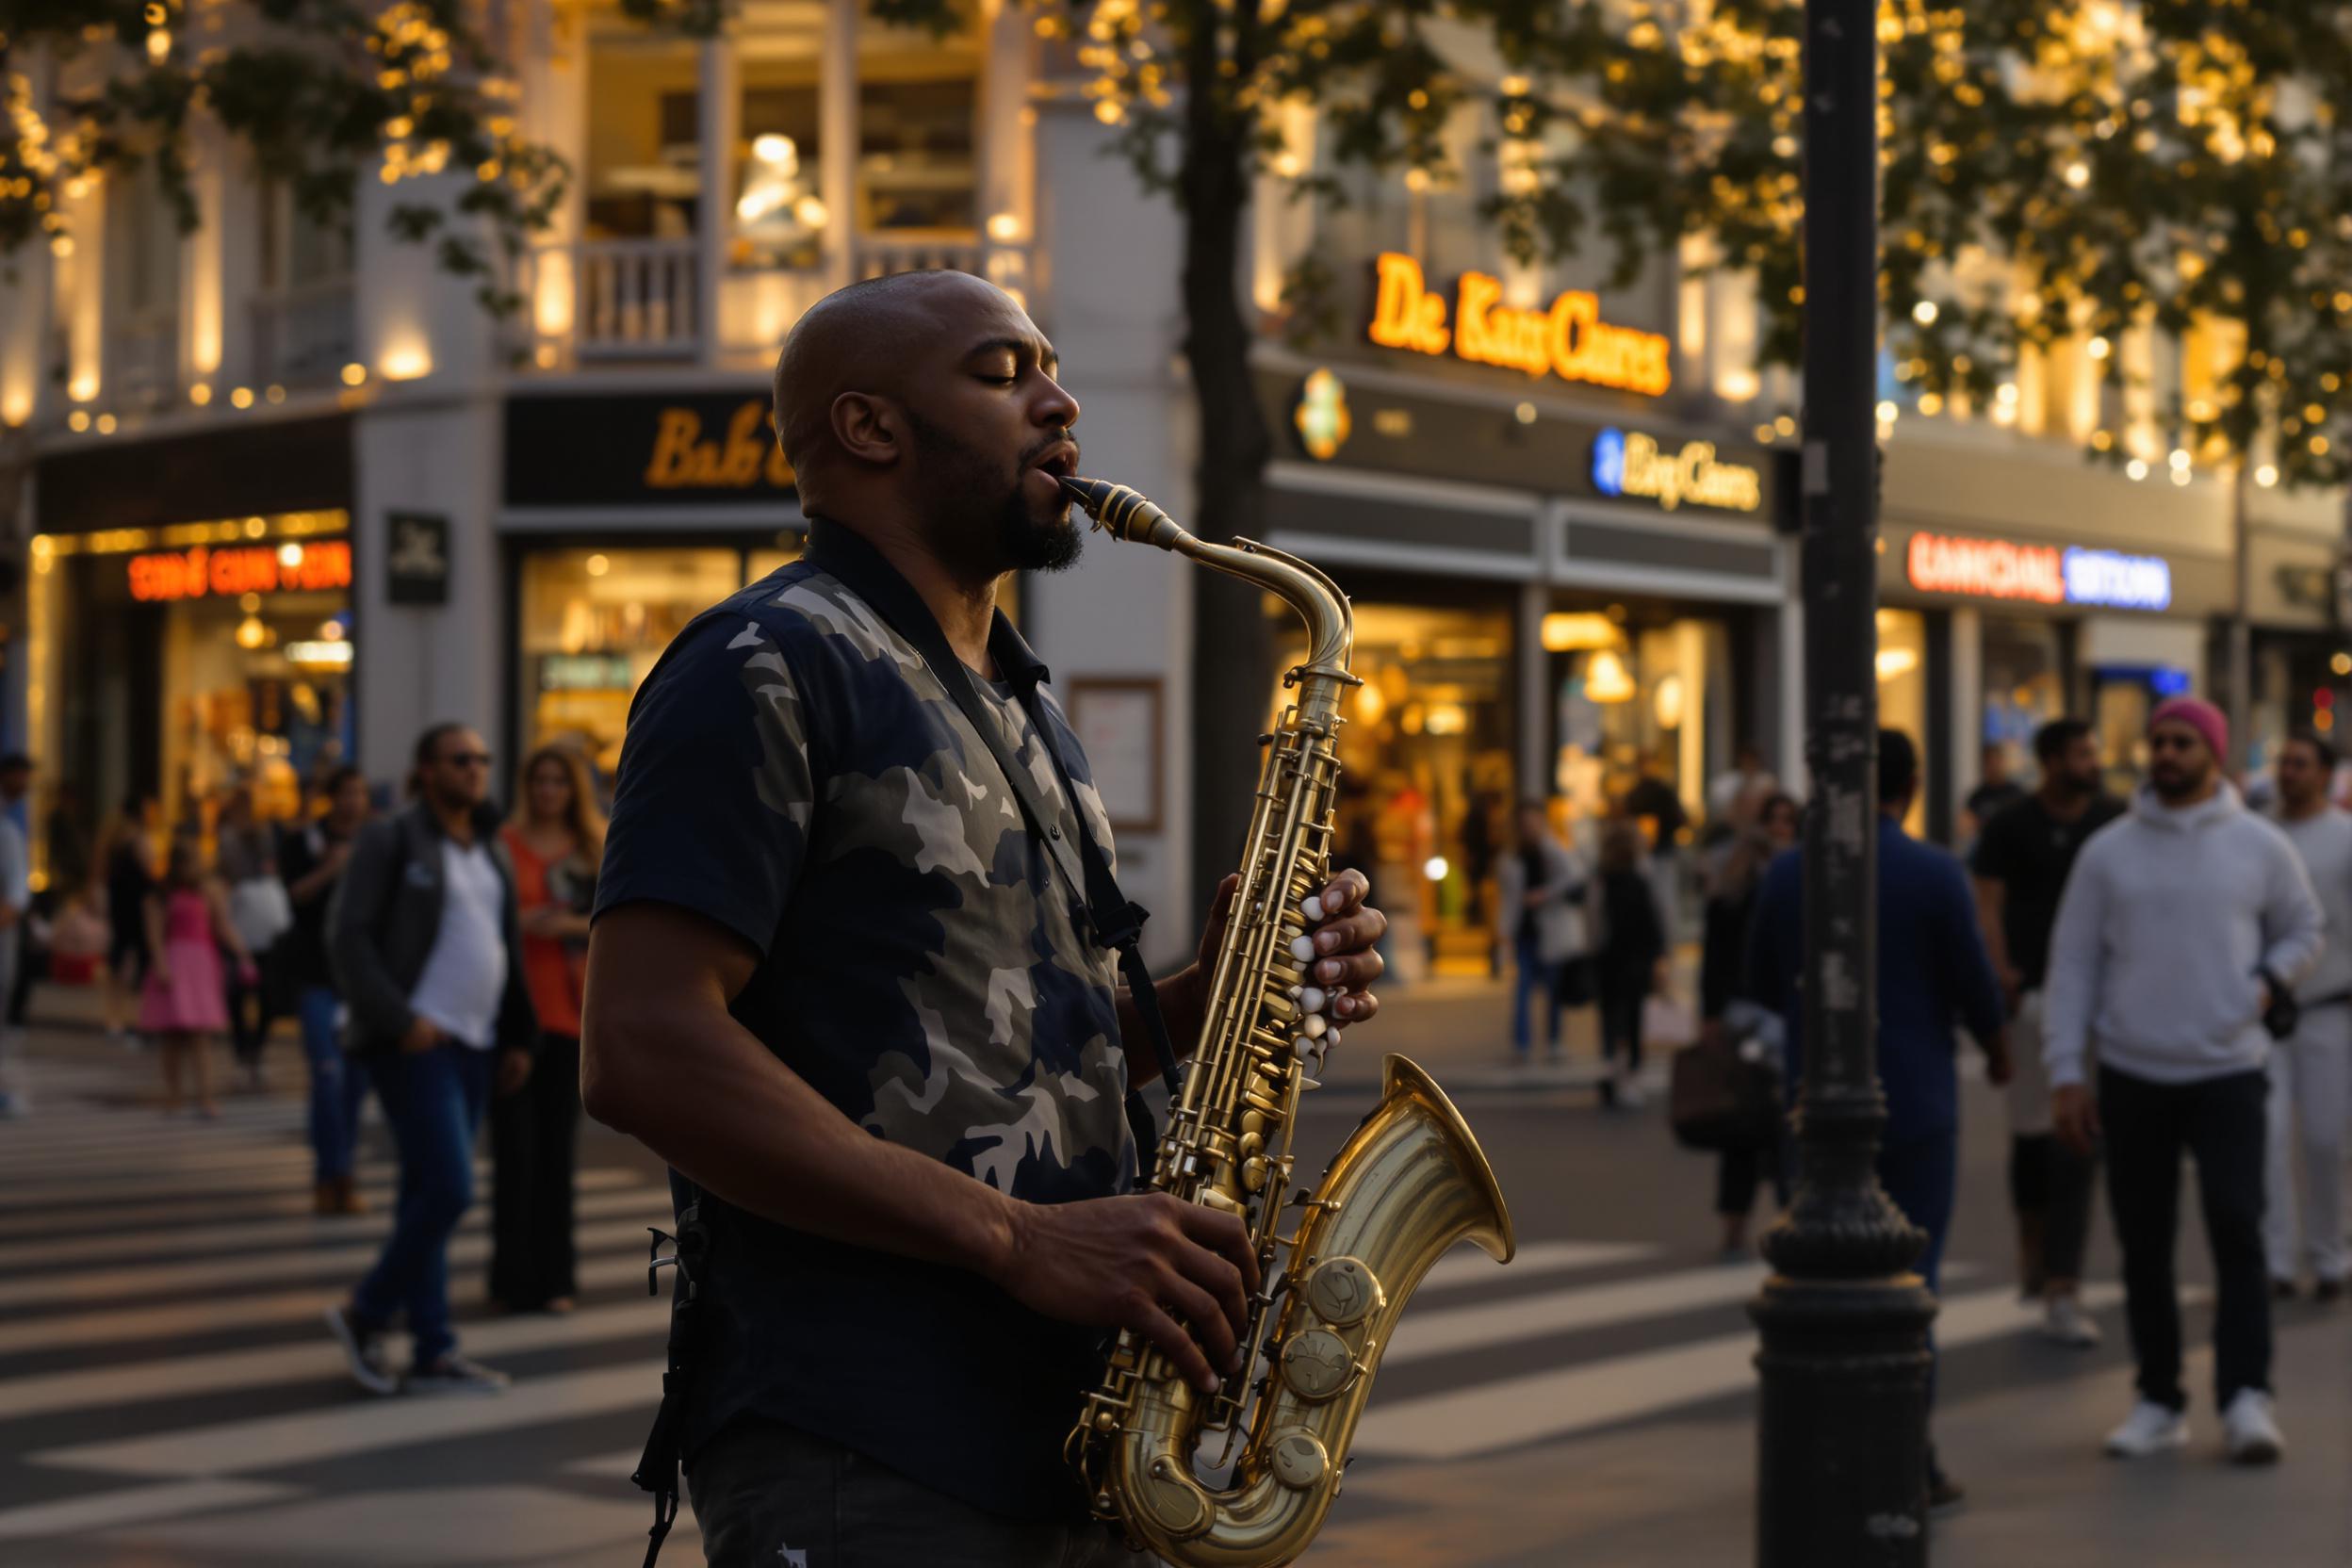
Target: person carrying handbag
{"points": [[1539, 901]]}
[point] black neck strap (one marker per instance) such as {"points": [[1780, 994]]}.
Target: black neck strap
{"points": [[1117, 922]]}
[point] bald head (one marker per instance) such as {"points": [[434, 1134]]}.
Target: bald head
{"points": [[872, 337]]}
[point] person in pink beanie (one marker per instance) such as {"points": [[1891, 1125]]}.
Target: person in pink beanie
{"points": [[2183, 929]]}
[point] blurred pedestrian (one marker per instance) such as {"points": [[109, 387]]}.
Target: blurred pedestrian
{"points": [[2311, 1069], [425, 946], [1539, 897], [1995, 792], [16, 902], [247, 860], [2185, 926], [1746, 779], [1629, 966], [555, 840], [126, 858], [312, 858], [1932, 972], [1657, 807], [2021, 865], [1728, 1009], [184, 1002]]}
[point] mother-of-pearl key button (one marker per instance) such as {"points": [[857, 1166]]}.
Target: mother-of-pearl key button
{"points": [[1297, 1458], [1342, 1291], [1317, 1363]]}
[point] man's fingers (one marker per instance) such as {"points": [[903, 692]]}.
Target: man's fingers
{"points": [[1346, 894], [1221, 902], [1351, 933], [1164, 1332], [1221, 1279], [1224, 1235], [1349, 971], [1200, 1311], [1355, 1006]]}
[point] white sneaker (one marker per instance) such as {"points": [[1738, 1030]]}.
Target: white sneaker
{"points": [[2065, 1322], [2251, 1433], [2150, 1429]]}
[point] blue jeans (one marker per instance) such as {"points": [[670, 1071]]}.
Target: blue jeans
{"points": [[434, 1100], [336, 1086], [1533, 974]]}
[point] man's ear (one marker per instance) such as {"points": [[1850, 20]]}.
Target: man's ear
{"points": [[869, 429]]}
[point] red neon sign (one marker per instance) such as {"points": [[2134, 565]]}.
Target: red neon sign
{"points": [[203, 572], [1986, 569]]}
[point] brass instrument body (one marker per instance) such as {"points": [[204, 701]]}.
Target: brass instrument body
{"points": [[1408, 1183]]}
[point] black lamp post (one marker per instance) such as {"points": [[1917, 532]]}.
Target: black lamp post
{"points": [[1842, 1474]]}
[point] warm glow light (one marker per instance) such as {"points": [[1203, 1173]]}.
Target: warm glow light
{"points": [[354, 374], [242, 398], [290, 556], [599, 565], [83, 387], [325, 654], [251, 633], [809, 212], [199, 394], [1888, 413], [407, 363], [2077, 175], [1925, 313], [1005, 228], [2136, 468], [78, 420], [1893, 664], [105, 424], [1738, 385], [2340, 663], [2100, 347], [773, 148], [1605, 679], [1574, 631], [1435, 868], [2266, 476]]}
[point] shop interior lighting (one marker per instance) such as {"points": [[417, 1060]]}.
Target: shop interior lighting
{"points": [[290, 555], [1605, 679], [1666, 703], [1577, 632], [1894, 663], [354, 375], [105, 424], [1435, 868], [251, 633], [199, 394], [242, 398], [1925, 313], [599, 564], [408, 364], [2136, 468], [78, 420], [323, 654]]}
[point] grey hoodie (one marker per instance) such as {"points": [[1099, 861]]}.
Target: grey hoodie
{"points": [[2166, 919]]}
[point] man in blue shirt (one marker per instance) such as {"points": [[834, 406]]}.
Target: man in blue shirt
{"points": [[1932, 971]]}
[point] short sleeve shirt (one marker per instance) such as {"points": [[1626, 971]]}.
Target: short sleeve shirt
{"points": [[2029, 852], [795, 772]]}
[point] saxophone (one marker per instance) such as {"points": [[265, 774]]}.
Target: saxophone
{"points": [[1407, 1185]]}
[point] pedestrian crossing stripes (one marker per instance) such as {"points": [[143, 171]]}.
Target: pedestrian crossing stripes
{"points": [[162, 1355]]}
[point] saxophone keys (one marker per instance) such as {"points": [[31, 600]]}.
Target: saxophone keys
{"points": [[1297, 1458], [1302, 948], [1312, 909], [1312, 998], [1316, 1364], [1343, 1292], [1253, 1173], [1313, 1025]]}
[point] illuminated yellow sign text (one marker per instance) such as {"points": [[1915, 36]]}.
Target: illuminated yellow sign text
{"points": [[1569, 340], [684, 459]]}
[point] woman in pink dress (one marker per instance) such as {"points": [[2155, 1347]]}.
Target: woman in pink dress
{"points": [[185, 1003]]}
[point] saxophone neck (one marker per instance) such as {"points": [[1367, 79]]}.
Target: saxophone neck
{"points": [[1124, 514]]}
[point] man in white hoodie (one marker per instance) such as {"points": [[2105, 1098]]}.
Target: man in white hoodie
{"points": [[2310, 1071], [2184, 923]]}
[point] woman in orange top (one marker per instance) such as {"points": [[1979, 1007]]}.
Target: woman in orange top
{"points": [[556, 838]]}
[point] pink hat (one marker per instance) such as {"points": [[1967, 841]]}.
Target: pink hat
{"points": [[2199, 715]]}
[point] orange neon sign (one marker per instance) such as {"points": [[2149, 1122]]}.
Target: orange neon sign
{"points": [[202, 572], [1986, 569], [1568, 340]]}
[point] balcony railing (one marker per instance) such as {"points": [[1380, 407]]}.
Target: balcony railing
{"points": [[625, 298], [304, 335], [916, 250], [635, 299]]}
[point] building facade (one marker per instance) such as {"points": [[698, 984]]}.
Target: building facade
{"points": [[281, 496]]}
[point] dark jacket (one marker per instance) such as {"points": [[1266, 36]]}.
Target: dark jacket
{"points": [[1933, 973], [381, 919]]}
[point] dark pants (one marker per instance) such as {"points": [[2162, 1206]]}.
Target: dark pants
{"points": [[2220, 1123], [1922, 1177], [337, 1086], [767, 1495], [2049, 1179], [434, 1100], [1622, 996], [1534, 975], [534, 1133], [249, 1012], [1739, 1171]]}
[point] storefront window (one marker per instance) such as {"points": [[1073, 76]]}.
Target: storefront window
{"points": [[173, 663], [1642, 706], [2025, 686], [1902, 691], [1426, 781]]}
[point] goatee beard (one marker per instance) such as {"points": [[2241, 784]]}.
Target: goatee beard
{"points": [[972, 526]]}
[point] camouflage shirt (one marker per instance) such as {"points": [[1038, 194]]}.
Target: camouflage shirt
{"points": [[795, 772]]}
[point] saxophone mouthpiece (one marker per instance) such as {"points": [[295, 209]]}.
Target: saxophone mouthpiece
{"points": [[1122, 513]]}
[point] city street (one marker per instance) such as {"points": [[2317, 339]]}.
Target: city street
{"points": [[169, 1398]]}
